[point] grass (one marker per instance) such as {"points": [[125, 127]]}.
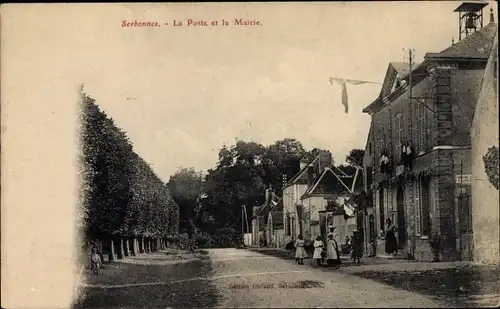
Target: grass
{"points": [[187, 294]]}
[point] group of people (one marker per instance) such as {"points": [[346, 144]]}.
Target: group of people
{"points": [[331, 254]]}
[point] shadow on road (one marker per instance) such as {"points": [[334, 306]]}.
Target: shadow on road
{"points": [[196, 293]]}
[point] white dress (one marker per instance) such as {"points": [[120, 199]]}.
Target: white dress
{"points": [[300, 252], [331, 252], [318, 248]]}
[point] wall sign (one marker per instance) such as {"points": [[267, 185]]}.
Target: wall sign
{"points": [[463, 179]]}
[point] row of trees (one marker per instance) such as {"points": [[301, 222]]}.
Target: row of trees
{"points": [[121, 195], [211, 204]]}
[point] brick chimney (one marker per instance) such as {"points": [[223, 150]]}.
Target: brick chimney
{"points": [[325, 160], [310, 173]]}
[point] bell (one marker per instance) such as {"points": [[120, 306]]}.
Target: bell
{"points": [[470, 23]]}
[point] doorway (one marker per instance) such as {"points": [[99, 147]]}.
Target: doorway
{"points": [[401, 219]]}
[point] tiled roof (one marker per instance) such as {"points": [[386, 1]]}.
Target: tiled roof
{"points": [[331, 183], [301, 173], [476, 45], [401, 68]]}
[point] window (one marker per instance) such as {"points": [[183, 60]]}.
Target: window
{"points": [[422, 130], [425, 206], [399, 135], [380, 143]]}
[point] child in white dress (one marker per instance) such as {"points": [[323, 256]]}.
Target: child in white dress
{"points": [[318, 250]]}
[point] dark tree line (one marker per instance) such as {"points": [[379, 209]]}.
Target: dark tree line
{"points": [[122, 197]]}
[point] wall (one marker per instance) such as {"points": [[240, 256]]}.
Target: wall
{"points": [[466, 85], [485, 195]]}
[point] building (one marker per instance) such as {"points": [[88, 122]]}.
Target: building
{"points": [[307, 195], [267, 222], [484, 135], [420, 147], [369, 222]]}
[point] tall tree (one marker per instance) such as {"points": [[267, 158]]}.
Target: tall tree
{"points": [[355, 157], [186, 189]]}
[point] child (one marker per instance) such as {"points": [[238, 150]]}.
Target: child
{"points": [[300, 252], [356, 252], [318, 250], [95, 261]]}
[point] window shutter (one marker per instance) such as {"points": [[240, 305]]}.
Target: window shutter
{"points": [[417, 209]]}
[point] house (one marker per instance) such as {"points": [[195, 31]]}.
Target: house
{"points": [[369, 222], [267, 221], [328, 193], [484, 136], [307, 194], [420, 148]]}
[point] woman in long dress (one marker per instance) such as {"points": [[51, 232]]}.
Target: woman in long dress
{"points": [[318, 249], [332, 252], [300, 252], [391, 244]]}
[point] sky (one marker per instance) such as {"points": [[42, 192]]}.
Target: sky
{"points": [[191, 90]]}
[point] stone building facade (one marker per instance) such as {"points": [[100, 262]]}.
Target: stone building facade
{"points": [[485, 167], [421, 148]]}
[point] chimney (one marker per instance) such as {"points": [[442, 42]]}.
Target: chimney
{"points": [[325, 160], [303, 163], [310, 173]]}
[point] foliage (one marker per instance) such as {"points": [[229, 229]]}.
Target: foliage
{"points": [[186, 189], [121, 194], [355, 157]]}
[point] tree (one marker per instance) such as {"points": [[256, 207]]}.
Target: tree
{"points": [[186, 189], [355, 157]]}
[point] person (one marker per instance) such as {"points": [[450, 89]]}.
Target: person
{"points": [[300, 252], [332, 251], [318, 250], [357, 250], [95, 261], [391, 244]]}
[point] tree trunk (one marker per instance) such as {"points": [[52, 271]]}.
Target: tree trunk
{"points": [[112, 251], [121, 254], [141, 246], [134, 247], [146, 244], [127, 246]]}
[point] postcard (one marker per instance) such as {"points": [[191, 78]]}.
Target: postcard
{"points": [[250, 155]]}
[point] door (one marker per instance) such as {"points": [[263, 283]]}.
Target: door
{"points": [[401, 219], [465, 223]]}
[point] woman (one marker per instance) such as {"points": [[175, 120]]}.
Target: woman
{"points": [[357, 250], [332, 251], [318, 249], [391, 244], [300, 252]]}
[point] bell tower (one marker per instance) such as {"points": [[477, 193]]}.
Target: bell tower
{"points": [[470, 18]]}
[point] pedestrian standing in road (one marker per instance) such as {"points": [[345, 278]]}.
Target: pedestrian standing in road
{"points": [[357, 250], [95, 261], [318, 250], [391, 244], [332, 251], [300, 252]]}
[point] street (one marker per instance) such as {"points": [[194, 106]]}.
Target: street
{"points": [[232, 278]]}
